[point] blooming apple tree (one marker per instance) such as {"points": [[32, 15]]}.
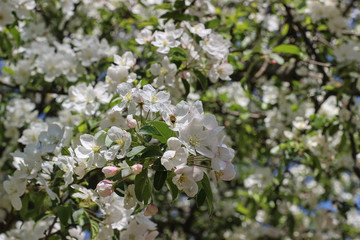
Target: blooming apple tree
{"points": [[155, 119]]}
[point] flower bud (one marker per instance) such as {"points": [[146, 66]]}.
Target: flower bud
{"points": [[136, 169], [105, 188], [131, 122], [110, 171], [151, 210]]}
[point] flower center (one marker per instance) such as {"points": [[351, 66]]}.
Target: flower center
{"points": [[128, 96], [163, 71], [95, 148], [119, 141], [194, 141], [154, 98]]}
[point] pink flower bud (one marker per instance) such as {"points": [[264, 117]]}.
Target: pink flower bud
{"points": [[131, 122], [110, 171], [105, 188], [136, 169], [151, 210]]}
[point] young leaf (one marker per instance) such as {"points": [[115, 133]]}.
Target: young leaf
{"points": [[287, 48]]}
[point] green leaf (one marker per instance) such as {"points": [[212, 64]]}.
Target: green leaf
{"points": [[287, 48], [83, 128], [214, 23], [159, 179], [147, 191], [241, 209], [8, 70], [163, 129], [285, 29], [178, 54], [114, 102], [167, 6], [179, 4], [135, 151], [94, 229], [176, 15], [202, 78], [200, 198], [148, 130], [209, 196], [152, 152], [65, 151], [157, 166], [16, 35], [64, 213], [172, 187], [140, 181]]}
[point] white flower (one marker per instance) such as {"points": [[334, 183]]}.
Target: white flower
{"points": [[31, 135], [259, 179], [216, 45], [198, 29], [15, 187], [175, 155], [186, 178], [122, 140], [126, 93], [51, 138], [222, 71], [76, 234], [176, 116], [154, 101], [300, 123], [196, 138], [169, 29], [145, 36], [165, 72], [164, 42], [92, 147], [127, 60], [353, 218], [48, 64], [118, 74], [22, 70], [113, 118], [90, 49], [134, 231], [86, 194], [226, 174], [222, 156]]}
